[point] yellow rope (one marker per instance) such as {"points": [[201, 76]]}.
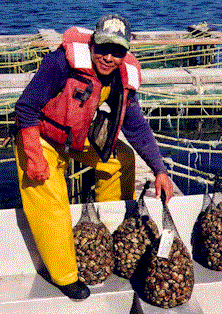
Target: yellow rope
{"points": [[7, 122], [198, 179], [177, 97], [176, 55], [79, 173], [165, 53], [8, 101], [173, 163], [20, 63], [191, 150], [6, 160], [185, 140], [216, 64], [16, 56], [184, 117], [29, 51], [149, 92], [191, 106]]}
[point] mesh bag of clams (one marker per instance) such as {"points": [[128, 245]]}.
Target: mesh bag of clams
{"points": [[207, 232], [132, 237], [94, 247], [165, 275]]}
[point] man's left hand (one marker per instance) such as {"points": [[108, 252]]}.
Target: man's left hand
{"points": [[164, 182]]}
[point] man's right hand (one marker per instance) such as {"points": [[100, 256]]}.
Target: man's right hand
{"points": [[37, 165]]}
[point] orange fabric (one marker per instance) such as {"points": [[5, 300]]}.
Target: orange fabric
{"points": [[37, 166]]}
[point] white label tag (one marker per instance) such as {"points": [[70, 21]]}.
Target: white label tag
{"points": [[166, 242]]}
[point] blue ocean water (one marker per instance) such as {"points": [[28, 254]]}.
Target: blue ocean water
{"points": [[28, 16]]}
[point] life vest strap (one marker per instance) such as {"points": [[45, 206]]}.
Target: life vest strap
{"points": [[80, 94], [67, 129]]}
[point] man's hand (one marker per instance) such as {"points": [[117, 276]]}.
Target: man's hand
{"points": [[165, 183], [37, 165], [38, 169]]}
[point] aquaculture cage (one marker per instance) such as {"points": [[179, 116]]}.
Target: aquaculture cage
{"points": [[22, 55], [170, 56], [185, 112], [7, 110], [187, 126], [198, 47]]}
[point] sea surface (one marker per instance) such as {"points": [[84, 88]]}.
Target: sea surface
{"points": [[28, 16]]}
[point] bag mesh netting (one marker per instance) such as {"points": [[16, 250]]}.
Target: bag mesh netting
{"points": [[206, 238]]}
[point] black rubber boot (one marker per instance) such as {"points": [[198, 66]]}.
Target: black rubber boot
{"points": [[77, 291]]}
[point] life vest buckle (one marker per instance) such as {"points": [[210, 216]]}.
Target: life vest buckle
{"points": [[81, 95]]}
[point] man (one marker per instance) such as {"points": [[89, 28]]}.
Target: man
{"points": [[83, 94]]}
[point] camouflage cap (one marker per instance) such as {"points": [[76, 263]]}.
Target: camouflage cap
{"points": [[112, 28]]}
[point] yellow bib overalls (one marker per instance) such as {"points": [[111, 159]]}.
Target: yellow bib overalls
{"points": [[47, 205]]}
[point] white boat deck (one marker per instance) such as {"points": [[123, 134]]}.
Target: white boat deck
{"points": [[23, 290], [30, 293]]}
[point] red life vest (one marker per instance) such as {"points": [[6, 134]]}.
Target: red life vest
{"points": [[75, 107]]}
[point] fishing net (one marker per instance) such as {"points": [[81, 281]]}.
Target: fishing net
{"points": [[165, 277], [94, 247], [206, 237], [132, 237]]}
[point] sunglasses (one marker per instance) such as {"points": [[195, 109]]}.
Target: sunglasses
{"points": [[115, 50]]}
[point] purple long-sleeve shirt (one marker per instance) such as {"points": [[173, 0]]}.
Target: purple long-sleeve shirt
{"points": [[49, 81]]}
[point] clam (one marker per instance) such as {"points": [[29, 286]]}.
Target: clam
{"points": [[207, 238], [94, 252], [169, 282], [130, 242]]}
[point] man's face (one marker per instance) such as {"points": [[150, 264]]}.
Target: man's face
{"points": [[107, 57]]}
